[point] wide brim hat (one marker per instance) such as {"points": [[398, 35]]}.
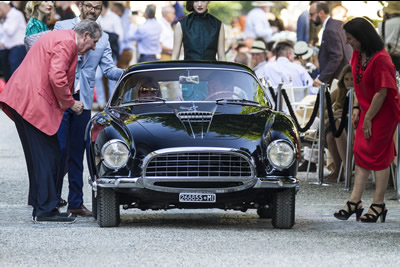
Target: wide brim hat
{"points": [[262, 3], [258, 47], [302, 49], [392, 8]]}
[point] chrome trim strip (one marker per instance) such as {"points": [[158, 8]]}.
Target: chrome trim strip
{"points": [[254, 183]]}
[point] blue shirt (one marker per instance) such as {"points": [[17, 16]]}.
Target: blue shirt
{"points": [[303, 27], [148, 37]]}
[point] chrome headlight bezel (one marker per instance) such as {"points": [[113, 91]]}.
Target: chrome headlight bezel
{"points": [[289, 151], [111, 145]]}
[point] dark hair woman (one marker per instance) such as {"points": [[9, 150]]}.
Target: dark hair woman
{"points": [[201, 34], [376, 114]]}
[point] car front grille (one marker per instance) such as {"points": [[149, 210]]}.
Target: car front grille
{"points": [[199, 164]]}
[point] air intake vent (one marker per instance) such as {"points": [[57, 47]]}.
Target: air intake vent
{"points": [[195, 116]]}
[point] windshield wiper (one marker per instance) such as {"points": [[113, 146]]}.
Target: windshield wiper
{"points": [[239, 101]]}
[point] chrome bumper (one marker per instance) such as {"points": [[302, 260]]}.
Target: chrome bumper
{"points": [[123, 182]]}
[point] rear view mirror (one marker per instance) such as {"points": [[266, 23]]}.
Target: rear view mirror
{"points": [[189, 79]]}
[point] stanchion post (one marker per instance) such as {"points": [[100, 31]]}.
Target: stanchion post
{"points": [[349, 148], [279, 97], [321, 145]]}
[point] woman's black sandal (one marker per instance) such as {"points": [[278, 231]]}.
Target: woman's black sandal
{"points": [[344, 214], [372, 218]]}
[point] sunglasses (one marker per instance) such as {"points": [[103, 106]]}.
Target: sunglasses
{"points": [[147, 90]]}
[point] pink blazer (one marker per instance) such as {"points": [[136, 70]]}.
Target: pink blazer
{"points": [[40, 90]]}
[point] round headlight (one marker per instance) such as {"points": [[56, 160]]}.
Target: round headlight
{"points": [[115, 154], [280, 154]]}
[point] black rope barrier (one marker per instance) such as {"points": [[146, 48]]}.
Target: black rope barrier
{"points": [[336, 132], [291, 112]]}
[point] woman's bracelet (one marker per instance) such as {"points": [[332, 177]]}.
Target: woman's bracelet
{"points": [[356, 107]]}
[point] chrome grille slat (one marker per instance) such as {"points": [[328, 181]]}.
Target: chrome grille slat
{"points": [[198, 164], [195, 116]]}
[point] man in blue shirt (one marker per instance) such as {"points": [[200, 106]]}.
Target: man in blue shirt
{"points": [[257, 25], [148, 36]]}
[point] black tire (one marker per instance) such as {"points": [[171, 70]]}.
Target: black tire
{"points": [[283, 216], [107, 207], [265, 213], [94, 204]]}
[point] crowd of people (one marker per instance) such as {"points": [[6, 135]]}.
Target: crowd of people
{"points": [[81, 57]]}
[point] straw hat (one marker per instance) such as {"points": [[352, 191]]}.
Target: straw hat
{"points": [[302, 49], [262, 3], [392, 8], [258, 47]]}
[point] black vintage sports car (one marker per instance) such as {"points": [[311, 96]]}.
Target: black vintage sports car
{"points": [[181, 134]]}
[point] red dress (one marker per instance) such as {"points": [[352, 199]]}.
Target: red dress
{"points": [[378, 152]]}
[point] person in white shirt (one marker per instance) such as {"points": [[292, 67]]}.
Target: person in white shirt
{"points": [[285, 70], [167, 33], [259, 57], [111, 24], [14, 28], [391, 23], [257, 24]]}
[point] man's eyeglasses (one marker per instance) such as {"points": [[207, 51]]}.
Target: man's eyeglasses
{"points": [[95, 8]]}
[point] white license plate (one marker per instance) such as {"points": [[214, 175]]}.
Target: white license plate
{"points": [[197, 197]]}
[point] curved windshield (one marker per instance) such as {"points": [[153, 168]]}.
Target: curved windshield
{"points": [[188, 85]]}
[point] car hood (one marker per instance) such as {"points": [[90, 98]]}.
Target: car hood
{"points": [[196, 121]]}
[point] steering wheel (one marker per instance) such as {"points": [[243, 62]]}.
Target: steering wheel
{"points": [[221, 93]]}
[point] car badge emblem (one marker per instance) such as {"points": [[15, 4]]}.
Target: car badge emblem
{"points": [[192, 108]]}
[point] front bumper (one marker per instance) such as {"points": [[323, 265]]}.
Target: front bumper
{"points": [[277, 182]]}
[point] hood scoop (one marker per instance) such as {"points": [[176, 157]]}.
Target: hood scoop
{"points": [[195, 116], [197, 123]]}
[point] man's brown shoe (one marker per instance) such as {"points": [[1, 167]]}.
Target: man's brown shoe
{"points": [[83, 211]]}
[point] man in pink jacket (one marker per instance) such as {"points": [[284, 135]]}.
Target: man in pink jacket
{"points": [[36, 97]]}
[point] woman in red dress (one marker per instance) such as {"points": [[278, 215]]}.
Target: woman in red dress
{"points": [[376, 113]]}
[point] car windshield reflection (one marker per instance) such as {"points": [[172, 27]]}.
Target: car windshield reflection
{"points": [[189, 85]]}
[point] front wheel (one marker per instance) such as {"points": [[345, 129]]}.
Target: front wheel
{"points": [[107, 207], [284, 209]]}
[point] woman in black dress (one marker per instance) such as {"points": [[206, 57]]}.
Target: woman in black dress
{"points": [[201, 34]]}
